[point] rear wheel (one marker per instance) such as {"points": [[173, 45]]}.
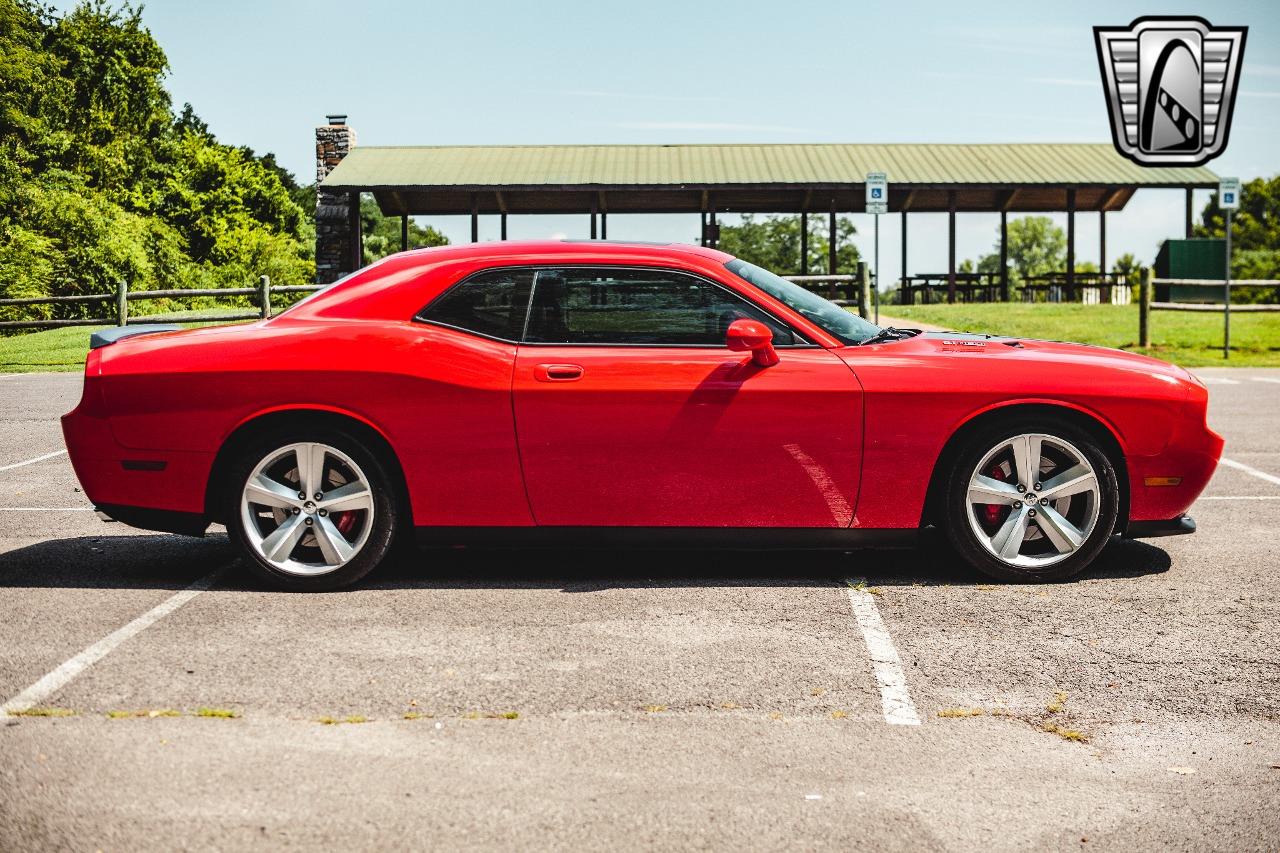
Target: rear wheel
{"points": [[313, 510], [1031, 501]]}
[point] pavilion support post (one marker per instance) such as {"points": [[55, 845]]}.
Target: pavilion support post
{"points": [[357, 238], [502, 218], [702, 227], [804, 242], [832, 250], [594, 212], [404, 232], [904, 274], [475, 220], [1102, 241], [951, 246], [1190, 217], [1071, 245], [1004, 255], [714, 228], [604, 225]]}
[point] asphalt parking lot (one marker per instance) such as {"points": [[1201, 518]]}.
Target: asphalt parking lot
{"points": [[465, 699]]}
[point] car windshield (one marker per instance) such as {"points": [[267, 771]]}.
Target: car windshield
{"points": [[843, 325]]}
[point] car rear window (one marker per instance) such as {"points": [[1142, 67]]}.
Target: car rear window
{"points": [[491, 303]]}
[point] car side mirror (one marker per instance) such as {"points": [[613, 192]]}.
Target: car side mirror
{"points": [[754, 337]]}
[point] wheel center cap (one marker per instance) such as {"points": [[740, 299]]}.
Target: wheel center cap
{"points": [[309, 508], [1029, 497]]}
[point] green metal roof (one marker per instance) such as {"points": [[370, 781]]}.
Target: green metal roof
{"points": [[496, 167]]}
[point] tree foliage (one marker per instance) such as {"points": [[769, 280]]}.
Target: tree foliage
{"points": [[773, 242], [100, 180], [1255, 229], [382, 233], [1036, 247]]}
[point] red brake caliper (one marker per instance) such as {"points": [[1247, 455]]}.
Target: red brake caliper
{"points": [[995, 512]]}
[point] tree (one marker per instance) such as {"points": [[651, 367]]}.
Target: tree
{"points": [[773, 242], [1036, 247], [1127, 266], [100, 180], [1255, 228], [382, 233]]}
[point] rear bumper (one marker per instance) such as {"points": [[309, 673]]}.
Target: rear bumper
{"points": [[1179, 526], [124, 482], [163, 520]]}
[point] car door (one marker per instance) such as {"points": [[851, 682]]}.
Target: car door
{"points": [[631, 410]]}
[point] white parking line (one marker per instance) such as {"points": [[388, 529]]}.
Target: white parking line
{"points": [[894, 696], [1240, 466], [1240, 498], [60, 677], [1265, 379], [1217, 380], [32, 461], [46, 509]]}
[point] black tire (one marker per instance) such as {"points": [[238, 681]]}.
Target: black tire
{"points": [[964, 464], [387, 514]]}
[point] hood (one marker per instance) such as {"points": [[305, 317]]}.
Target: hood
{"points": [[967, 344]]}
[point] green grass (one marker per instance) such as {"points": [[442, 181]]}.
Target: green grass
{"points": [[64, 350], [1191, 340]]}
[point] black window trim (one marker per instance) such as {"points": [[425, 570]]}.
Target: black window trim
{"points": [[804, 342]]}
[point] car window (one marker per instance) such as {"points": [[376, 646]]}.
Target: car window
{"points": [[491, 303], [844, 326], [639, 307]]}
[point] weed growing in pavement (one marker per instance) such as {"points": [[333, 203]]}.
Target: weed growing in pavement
{"points": [[43, 712], [655, 709], [961, 712], [218, 713], [1067, 734], [333, 721], [143, 714], [1059, 702]]}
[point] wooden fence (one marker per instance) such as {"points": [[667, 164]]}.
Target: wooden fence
{"points": [[1215, 288], [118, 303]]}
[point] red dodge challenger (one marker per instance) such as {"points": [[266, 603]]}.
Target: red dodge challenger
{"points": [[615, 393]]}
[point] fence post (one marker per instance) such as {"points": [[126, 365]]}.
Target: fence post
{"points": [[864, 290], [122, 302], [1144, 307], [264, 295]]}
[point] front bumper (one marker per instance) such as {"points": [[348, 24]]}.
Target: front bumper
{"points": [[1179, 526]]}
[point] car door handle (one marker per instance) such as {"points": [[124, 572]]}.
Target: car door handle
{"points": [[558, 372]]}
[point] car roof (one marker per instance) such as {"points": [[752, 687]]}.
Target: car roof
{"points": [[553, 248]]}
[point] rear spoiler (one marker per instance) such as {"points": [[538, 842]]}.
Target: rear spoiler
{"points": [[119, 333]]}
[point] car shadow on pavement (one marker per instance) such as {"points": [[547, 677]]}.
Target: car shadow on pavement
{"points": [[153, 561]]}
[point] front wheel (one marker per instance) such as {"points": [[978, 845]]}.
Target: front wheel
{"points": [[313, 511], [1031, 501]]}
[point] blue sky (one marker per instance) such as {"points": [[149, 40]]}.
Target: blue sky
{"points": [[265, 73]]}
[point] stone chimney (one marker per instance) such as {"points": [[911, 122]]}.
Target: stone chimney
{"points": [[338, 241]]}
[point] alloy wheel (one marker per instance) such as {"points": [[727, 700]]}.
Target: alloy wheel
{"points": [[1033, 500], [307, 509]]}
